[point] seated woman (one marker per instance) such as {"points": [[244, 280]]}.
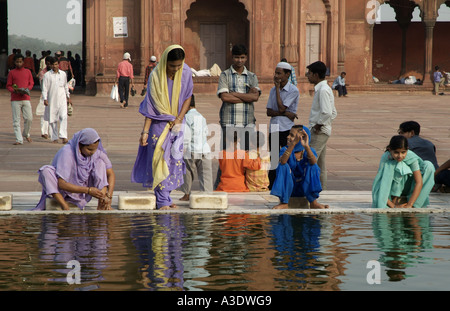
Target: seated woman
{"points": [[80, 170], [402, 174], [298, 174]]}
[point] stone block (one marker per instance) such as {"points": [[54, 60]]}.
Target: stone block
{"points": [[298, 202], [212, 200], [5, 201], [53, 205], [137, 201]]}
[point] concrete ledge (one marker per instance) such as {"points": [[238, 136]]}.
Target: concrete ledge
{"points": [[137, 201], [340, 202], [214, 200], [53, 205], [5, 201]]}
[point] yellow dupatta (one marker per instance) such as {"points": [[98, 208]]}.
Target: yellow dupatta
{"points": [[160, 97]]}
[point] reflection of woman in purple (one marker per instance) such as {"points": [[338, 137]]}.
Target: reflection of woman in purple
{"points": [[159, 163], [80, 170]]}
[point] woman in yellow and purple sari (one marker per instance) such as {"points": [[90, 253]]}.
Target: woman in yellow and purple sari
{"points": [[159, 163]]}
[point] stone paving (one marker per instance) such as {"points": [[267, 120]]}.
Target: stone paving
{"points": [[363, 127]]}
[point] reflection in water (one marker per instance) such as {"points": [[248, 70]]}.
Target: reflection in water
{"points": [[402, 238], [78, 237], [158, 240], [227, 252]]}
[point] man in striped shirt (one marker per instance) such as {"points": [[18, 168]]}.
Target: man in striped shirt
{"points": [[238, 89]]}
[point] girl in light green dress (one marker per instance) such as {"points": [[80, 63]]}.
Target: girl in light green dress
{"points": [[402, 174]]}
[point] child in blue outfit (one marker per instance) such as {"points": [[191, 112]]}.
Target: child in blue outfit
{"points": [[298, 174]]}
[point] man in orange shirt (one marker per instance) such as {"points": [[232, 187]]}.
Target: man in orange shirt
{"points": [[124, 78]]}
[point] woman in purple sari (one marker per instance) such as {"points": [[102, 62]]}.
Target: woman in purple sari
{"points": [[159, 163], [80, 170]]}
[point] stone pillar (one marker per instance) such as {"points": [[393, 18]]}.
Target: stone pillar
{"points": [[368, 78], [264, 47], [341, 37], [429, 26], [332, 36], [146, 18], [90, 53], [290, 37]]}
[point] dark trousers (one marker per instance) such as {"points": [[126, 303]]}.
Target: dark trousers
{"points": [[124, 90], [275, 150], [342, 89], [244, 134]]}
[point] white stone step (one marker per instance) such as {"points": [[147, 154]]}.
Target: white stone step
{"points": [[137, 201], [208, 200], [5, 201]]}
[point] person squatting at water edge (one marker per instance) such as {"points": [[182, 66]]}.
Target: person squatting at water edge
{"points": [[159, 163], [80, 170], [402, 174], [298, 174]]}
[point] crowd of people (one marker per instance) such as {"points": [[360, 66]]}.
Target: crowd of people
{"points": [[56, 78], [173, 143]]}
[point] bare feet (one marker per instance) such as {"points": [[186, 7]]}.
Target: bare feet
{"points": [[29, 139], [65, 140], [281, 206], [45, 136], [185, 197], [55, 141], [65, 207], [172, 206], [315, 204], [17, 143]]}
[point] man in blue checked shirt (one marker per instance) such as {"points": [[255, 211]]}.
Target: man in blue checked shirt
{"points": [[238, 89]]}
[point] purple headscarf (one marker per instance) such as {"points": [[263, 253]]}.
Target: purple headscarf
{"points": [[70, 156]]}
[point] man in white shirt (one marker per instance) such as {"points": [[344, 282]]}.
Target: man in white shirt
{"points": [[323, 112], [55, 93], [282, 110]]}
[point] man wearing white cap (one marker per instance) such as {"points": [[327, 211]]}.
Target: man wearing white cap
{"points": [[124, 78], [282, 110], [148, 71]]}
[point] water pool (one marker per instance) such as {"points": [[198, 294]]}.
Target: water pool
{"points": [[142, 252]]}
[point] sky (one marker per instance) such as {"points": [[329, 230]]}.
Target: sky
{"points": [[387, 14], [49, 20]]}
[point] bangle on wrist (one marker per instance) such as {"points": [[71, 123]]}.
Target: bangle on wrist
{"points": [[108, 195], [89, 190], [144, 132], [180, 119]]}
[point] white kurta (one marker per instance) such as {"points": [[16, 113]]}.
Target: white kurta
{"points": [[56, 90]]}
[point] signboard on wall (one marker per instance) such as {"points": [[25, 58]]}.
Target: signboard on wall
{"points": [[120, 27]]}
